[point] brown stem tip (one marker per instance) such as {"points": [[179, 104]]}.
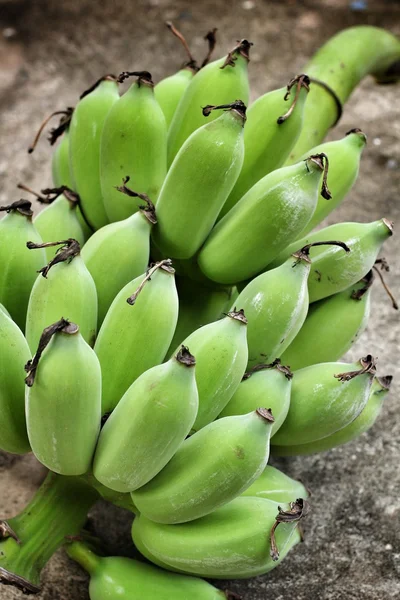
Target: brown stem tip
{"points": [[299, 81], [185, 358], [266, 414], [144, 77], [67, 251], [368, 365], [64, 326], [191, 64], [7, 532], [242, 48], [164, 265], [274, 365], [322, 161], [210, 37], [148, 210], [238, 106], [21, 206], [237, 315], [96, 84], [297, 511], [385, 382], [55, 132], [304, 252]]}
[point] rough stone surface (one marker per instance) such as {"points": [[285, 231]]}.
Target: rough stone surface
{"points": [[49, 52]]}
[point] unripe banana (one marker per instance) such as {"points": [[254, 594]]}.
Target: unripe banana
{"points": [[379, 390], [221, 355], [130, 579], [220, 82], [256, 230], [331, 327], [344, 162], [137, 331], [275, 485], [18, 265], [134, 144], [59, 220], [271, 132], [64, 286], [85, 133], [276, 305], [119, 252], [331, 270], [198, 306], [209, 470], [268, 385], [325, 398], [245, 538], [63, 400], [148, 425], [199, 182], [15, 353]]}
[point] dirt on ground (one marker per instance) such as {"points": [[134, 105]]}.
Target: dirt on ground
{"points": [[52, 50]]}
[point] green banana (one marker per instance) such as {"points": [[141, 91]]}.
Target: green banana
{"points": [[335, 70], [59, 219], [199, 182], [64, 286], [148, 425], [134, 144], [276, 305], [325, 398], [85, 132], [270, 133], [198, 305], [15, 352], [136, 332], [209, 469], [221, 355], [219, 82], [275, 485], [331, 271], [269, 385], [257, 229], [379, 390], [18, 266], [63, 400], [344, 162], [331, 327], [130, 579], [119, 252], [247, 537]]}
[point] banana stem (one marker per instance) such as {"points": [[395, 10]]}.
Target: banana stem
{"points": [[338, 67], [58, 509]]}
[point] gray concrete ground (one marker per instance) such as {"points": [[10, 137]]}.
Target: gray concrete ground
{"points": [[49, 52]]}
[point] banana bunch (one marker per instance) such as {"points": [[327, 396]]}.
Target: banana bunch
{"points": [[156, 340]]}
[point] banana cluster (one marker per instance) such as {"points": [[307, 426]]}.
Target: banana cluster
{"points": [[155, 340]]}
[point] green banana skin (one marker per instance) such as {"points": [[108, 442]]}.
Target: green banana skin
{"points": [[199, 182], [117, 253], [169, 91], [324, 399], [268, 385], [150, 422], [344, 161], [276, 305], [60, 221], [198, 306], [256, 230], [331, 327], [63, 400], [134, 144], [134, 338], [209, 469], [15, 350], [133, 580], [221, 355], [62, 288], [60, 165], [219, 82], [361, 424], [341, 63], [27, 542], [332, 271], [275, 485], [268, 137], [18, 266], [233, 542], [85, 133]]}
